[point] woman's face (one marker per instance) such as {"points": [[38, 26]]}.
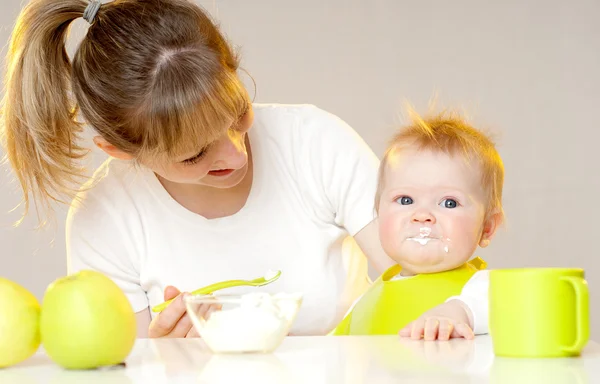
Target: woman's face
{"points": [[223, 163]]}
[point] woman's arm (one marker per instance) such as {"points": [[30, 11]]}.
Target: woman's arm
{"points": [[368, 241]]}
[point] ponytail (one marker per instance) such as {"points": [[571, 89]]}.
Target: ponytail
{"points": [[39, 130]]}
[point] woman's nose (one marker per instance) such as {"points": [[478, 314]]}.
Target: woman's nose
{"points": [[232, 150]]}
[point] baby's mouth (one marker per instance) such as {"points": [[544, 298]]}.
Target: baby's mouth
{"points": [[422, 240], [424, 236]]}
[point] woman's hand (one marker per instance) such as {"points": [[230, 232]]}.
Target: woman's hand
{"points": [[173, 321]]}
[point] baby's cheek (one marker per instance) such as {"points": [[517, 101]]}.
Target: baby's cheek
{"points": [[388, 234], [463, 240], [461, 228]]}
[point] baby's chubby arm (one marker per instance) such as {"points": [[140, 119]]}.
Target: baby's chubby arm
{"points": [[465, 315]]}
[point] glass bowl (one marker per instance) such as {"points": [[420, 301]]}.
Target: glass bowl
{"points": [[251, 323]]}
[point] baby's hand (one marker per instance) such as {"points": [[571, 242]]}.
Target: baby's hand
{"points": [[447, 320]]}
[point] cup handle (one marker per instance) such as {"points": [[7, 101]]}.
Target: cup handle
{"points": [[582, 312]]}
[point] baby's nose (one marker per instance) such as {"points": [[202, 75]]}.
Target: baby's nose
{"points": [[423, 216]]}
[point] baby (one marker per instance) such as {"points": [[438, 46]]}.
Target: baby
{"points": [[439, 197]]}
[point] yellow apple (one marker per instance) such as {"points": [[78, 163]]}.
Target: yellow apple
{"points": [[86, 322], [19, 323]]}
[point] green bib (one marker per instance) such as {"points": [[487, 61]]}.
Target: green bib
{"points": [[389, 305]]}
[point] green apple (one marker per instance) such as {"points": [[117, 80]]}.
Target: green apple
{"points": [[19, 323], [86, 322]]}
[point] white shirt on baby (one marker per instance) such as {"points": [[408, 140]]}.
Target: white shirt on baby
{"points": [[475, 295], [313, 188]]}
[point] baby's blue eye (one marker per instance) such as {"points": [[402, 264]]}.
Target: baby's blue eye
{"points": [[404, 200], [449, 203]]}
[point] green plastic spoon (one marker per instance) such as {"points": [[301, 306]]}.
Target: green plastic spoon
{"points": [[269, 277]]}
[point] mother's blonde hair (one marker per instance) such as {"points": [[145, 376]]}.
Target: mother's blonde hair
{"points": [[154, 78]]}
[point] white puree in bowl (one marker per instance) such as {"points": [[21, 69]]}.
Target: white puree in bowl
{"points": [[258, 323]]}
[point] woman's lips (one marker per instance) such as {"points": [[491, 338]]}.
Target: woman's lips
{"points": [[221, 172]]}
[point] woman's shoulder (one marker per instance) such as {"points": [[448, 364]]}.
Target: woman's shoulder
{"points": [[282, 108], [301, 113], [299, 124]]}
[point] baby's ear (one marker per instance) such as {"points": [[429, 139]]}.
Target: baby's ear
{"points": [[492, 222]]}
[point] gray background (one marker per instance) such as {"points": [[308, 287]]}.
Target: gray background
{"points": [[526, 70]]}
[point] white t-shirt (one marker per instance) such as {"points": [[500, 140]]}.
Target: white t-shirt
{"points": [[313, 188]]}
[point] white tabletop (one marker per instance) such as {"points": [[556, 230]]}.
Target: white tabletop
{"points": [[328, 359]]}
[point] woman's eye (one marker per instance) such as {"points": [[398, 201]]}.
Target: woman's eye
{"points": [[449, 203], [404, 200], [195, 159]]}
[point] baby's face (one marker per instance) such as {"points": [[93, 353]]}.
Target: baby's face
{"points": [[432, 211]]}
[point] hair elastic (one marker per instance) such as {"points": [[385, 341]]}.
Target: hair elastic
{"points": [[91, 10]]}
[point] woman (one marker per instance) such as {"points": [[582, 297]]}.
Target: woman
{"points": [[201, 185]]}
